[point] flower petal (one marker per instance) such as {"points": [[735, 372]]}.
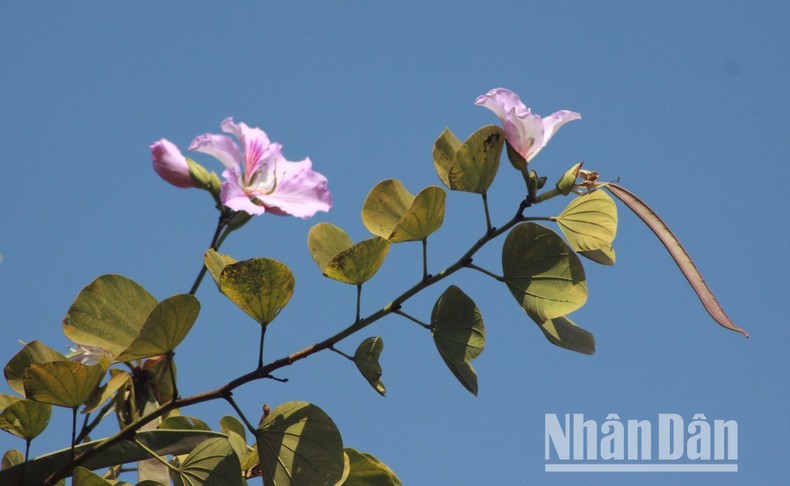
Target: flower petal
{"points": [[233, 196], [553, 122], [254, 143], [300, 191], [222, 147], [525, 134], [170, 164], [504, 103]]}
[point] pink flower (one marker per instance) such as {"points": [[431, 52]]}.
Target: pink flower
{"points": [[258, 178], [171, 165], [525, 131]]}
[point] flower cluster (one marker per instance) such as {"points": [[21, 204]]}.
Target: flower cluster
{"points": [[258, 179]]}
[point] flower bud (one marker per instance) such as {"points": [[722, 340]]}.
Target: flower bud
{"points": [[568, 180], [171, 165]]}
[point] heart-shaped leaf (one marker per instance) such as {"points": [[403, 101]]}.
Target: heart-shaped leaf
{"points": [[471, 166], [459, 334], [237, 435], [11, 458], [604, 256], [393, 213], [211, 462], [564, 333], [216, 263], [25, 418], [340, 259], [542, 272], [367, 470], [166, 326], [33, 352], [367, 360], [299, 444], [108, 314], [261, 287], [118, 379], [63, 383], [589, 223]]}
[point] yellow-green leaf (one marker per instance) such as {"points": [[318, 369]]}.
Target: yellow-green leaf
{"points": [[11, 458], [367, 360], [85, 477], [163, 442], [604, 256], [471, 166], [166, 326], [63, 383], [459, 334], [367, 470], [213, 462], [392, 212], [118, 379], [261, 287], [589, 223], [237, 435], [325, 241], [542, 272], [6, 400], [25, 418], [564, 333], [340, 259], [385, 206], [32, 353], [216, 263], [108, 313], [299, 444]]}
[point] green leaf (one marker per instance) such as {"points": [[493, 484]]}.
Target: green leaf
{"points": [[367, 470], [459, 334], [542, 272], [359, 263], [340, 259], [367, 360], [25, 419], [393, 213], [163, 442], [325, 241], [216, 263], [678, 253], [213, 462], [182, 422], [589, 223], [33, 352], [84, 477], [604, 256], [11, 458], [108, 314], [161, 379], [299, 444], [471, 166], [6, 400], [63, 383], [118, 379], [237, 435], [164, 329], [261, 287], [564, 333]]}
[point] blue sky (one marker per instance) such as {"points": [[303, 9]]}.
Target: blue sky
{"points": [[684, 101]]}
